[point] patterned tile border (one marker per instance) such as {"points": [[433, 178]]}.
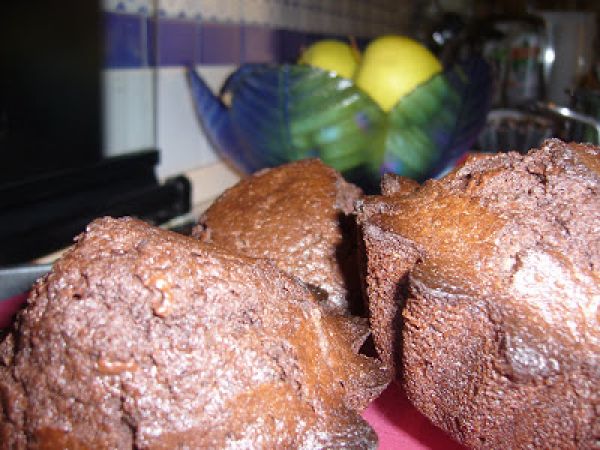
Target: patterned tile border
{"points": [[142, 33]]}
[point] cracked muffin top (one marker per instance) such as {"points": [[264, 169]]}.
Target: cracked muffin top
{"points": [[143, 338], [484, 293], [298, 215], [525, 227]]}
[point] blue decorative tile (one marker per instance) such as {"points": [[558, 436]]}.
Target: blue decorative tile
{"points": [[220, 43], [177, 32], [175, 42], [124, 40], [259, 44]]}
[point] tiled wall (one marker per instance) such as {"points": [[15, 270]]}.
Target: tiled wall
{"points": [[149, 41]]}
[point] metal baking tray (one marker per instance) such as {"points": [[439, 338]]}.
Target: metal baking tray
{"points": [[15, 280]]}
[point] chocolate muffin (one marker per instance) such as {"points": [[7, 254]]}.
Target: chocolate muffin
{"points": [[143, 338], [299, 216], [484, 290]]}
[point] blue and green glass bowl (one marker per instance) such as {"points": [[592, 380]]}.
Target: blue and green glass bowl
{"points": [[280, 113]]}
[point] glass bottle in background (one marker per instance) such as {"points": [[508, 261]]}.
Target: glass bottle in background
{"points": [[514, 47], [523, 76], [495, 51]]}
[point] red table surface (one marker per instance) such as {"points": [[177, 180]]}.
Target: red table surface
{"points": [[397, 423]]}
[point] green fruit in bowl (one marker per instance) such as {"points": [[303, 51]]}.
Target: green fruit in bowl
{"points": [[333, 56], [392, 66]]}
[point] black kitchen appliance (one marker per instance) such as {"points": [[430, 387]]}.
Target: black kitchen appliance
{"points": [[54, 178]]}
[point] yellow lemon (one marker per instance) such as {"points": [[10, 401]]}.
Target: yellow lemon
{"points": [[331, 55], [392, 66]]}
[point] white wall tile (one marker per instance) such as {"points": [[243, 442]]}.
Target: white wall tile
{"points": [[180, 136], [128, 110]]}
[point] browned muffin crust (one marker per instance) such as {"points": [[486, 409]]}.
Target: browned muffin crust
{"points": [[143, 338], [299, 216], [484, 289], [393, 184]]}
